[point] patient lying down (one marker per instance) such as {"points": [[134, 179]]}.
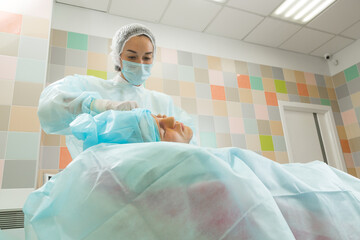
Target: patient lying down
{"points": [[135, 126]]}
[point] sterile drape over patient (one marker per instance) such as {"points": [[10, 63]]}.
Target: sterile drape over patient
{"points": [[175, 191]]}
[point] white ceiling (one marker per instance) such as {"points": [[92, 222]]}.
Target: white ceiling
{"points": [[246, 20]]}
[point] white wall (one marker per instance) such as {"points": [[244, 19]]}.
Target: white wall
{"points": [[346, 57], [96, 23]]}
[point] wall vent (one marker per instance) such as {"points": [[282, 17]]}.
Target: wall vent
{"points": [[11, 219]]}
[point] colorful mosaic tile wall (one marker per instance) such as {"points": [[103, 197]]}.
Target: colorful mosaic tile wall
{"points": [[347, 88], [24, 44], [234, 103]]}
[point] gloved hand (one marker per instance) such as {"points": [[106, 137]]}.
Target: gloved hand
{"points": [[101, 105]]}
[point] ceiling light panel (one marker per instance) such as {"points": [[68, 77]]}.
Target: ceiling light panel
{"points": [[301, 11]]}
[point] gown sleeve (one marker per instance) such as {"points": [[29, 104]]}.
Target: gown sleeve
{"points": [[62, 101]]}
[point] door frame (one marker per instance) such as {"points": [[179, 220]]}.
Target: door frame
{"points": [[326, 122]]}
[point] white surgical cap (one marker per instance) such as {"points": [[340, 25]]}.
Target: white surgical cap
{"points": [[123, 35]]}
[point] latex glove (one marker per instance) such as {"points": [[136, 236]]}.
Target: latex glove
{"points": [[101, 105]]}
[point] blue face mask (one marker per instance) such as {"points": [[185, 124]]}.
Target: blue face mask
{"points": [[136, 73]]}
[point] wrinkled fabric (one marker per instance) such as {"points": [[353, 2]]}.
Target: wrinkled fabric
{"points": [[176, 191], [122, 127], [63, 100]]}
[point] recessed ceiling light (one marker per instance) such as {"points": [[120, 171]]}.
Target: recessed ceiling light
{"points": [[301, 11], [219, 1]]}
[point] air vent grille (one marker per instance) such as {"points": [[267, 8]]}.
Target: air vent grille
{"points": [[11, 219]]}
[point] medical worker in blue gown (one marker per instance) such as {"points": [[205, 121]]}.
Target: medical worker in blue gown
{"points": [[133, 52]]}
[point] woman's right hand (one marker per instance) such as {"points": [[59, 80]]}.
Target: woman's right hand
{"points": [[101, 105]]}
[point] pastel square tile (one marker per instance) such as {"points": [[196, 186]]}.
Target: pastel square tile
{"points": [[201, 75], [274, 113], [315, 101], [341, 132], [355, 98], [170, 71], [6, 92], [36, 48], [154, 83], [352, 171], [4, 117], [157, 55], [208, 139], [279, 143], [345, 104], [254, 70], [171, 87], [189, 105], [65, 157], [97, 73], [280, 86], [304, 99], [156, 70], [356, 158], [355, 144], [76, 58], [77, 41], [220, 108], [325, 102], [234, 109], [250, 126], [313, 91], [320, 80], [349, 162], [338, 119], [271, 99], [276, 128], [289, 75], [351, 73], [282, 96], [49, 139], [30, 70], [24, 119], [9, 44], [349, 117], [278, 73], [323, 92], [62, 141], [354, 86], [49, 157], [216, 77], [258, 97], [331, 93], [269, 85], [266, 71], [253, 142], [98, 44], [27, 94], [186, 74], [97, 61], [236, 125], [214, 63], [357, 112], [10, 22], [8, 67], [256, 83], [232, 94], [302, 89], [266, 143], [58, 38], [217, 92], [342, 91], [294, 98], [200, 61], [245, 95], [3, 137], [309, 79], [228, 65], [223, 140], [169, 56], [19, 174], [241, 68], [238, 140], [248, 110], [206, 124], [185, 58], [221, 124], [269, 155], [57, 55], [243, 81], [204, 107], [230, 79], [282, 157], [339, 79], [56, 72], [176, 100], [291, 88], [187, 89], [28, 142], [264, 127], [35, 27], [203, 90], [261, 112], [2, 163]]}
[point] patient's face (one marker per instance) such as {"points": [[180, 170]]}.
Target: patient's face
{"points": [[173, 131]]}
